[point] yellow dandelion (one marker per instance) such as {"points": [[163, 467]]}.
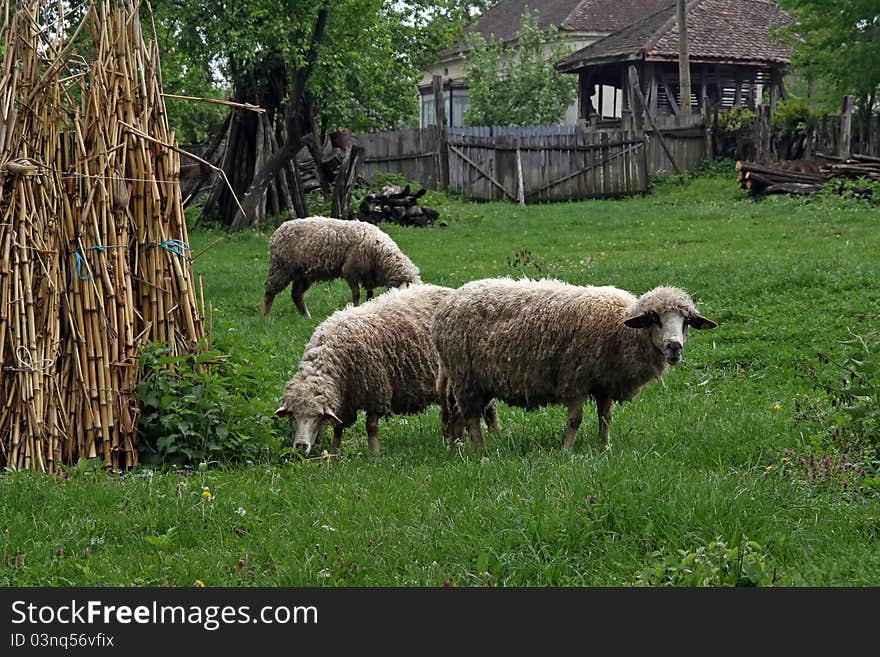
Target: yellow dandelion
{"points": [[206, 494], [777, 406], [770, 467], [200, 583], [785, 459]]}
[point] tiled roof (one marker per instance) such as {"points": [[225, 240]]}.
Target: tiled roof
{"points": [[728, 30], [592, 16]]}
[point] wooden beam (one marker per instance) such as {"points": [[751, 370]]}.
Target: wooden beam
{"points": [[684, 63], [442, 133], [671, 97], [634, 82]]}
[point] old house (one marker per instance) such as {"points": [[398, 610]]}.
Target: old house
{"points": [[736, 58], [580, 22]]}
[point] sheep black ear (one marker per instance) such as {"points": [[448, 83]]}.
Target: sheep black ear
{"points": [[282, 412], [640, 321], [701, 323]]}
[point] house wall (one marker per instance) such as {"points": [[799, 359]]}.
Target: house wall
{"points": [[452, 68]]}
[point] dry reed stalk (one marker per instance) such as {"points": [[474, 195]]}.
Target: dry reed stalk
{"points": [[93, 237]]}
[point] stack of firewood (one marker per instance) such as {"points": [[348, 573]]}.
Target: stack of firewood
{"points": [[804, 177], [856, 166], [396, 204], [793, 177]]}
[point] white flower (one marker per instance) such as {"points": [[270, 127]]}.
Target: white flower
{"points": [[324, 572], [240, 511], [328, 528]]}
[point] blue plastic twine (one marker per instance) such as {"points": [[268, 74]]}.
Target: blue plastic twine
{"points": [[80, 259], [175, 246]]}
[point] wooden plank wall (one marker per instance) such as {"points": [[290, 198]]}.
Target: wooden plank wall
{"points": [[558, 163], [688, 147], [412, 153]]}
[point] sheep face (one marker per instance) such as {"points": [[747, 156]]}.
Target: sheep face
{"points": [[668, 330], [307, 424]]}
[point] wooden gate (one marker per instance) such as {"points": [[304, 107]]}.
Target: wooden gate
{"points": [[540, 164]]}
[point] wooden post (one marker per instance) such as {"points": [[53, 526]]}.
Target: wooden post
{"points": [[442, 132], [762, 134], [684, 65], [707, 127], [846, 127], [634, 85], [519, 175], [640, 110]]}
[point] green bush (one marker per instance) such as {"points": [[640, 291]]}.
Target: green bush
{"points": [[736, 118], [714, 564], [201, 408], [794, 117]]}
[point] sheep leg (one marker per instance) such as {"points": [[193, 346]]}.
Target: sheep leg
{"points": [[443, 400], [297, 293], [604, 409], [477, 441], [575, 416], [373, 434], [369, 293], [274, 285], [355, 291], [337, 439], [490, 415]]}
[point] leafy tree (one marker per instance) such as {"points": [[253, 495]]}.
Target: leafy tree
{"points": [[518, 85], [839, 42], [314, 66]]}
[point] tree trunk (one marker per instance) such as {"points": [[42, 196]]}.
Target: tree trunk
{"points": [[345, 180], [684, 67], [294, 116]]}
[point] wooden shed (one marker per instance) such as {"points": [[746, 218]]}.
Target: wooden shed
{"points": [[735, 52]]}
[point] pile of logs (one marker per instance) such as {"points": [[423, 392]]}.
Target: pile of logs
{"points": [[856, 166], [793, 177], [396, 204], [802, 176]]}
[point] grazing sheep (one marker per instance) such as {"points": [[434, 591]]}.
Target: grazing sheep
{"points": [[532, 343], [305, 251], [377, 357]]}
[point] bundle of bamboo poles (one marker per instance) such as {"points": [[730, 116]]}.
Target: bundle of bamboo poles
{"points": [[94, 255]]}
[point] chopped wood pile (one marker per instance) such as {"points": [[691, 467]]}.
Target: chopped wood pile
{"points": [[857, 166], [396, 204], [94, 260], [802, 176]]}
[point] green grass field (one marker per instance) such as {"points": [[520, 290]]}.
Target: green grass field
{"points": [[706, 458]]}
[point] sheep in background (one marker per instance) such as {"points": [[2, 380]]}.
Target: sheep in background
{"points": [[532, 343], [305, 251], [377, 357]]}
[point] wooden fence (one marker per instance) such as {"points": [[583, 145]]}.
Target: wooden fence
{"points": [[531, 164], [825, 137], [413, 153], [545, 164]]}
